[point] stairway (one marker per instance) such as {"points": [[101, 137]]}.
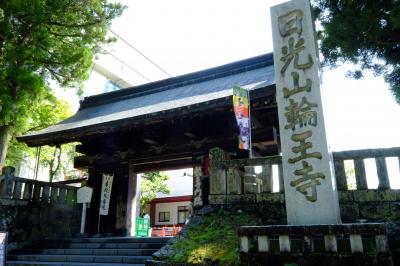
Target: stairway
{"points": [[113, 251]]}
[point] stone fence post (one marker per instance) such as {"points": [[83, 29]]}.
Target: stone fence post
{"points": [[6, 182]]}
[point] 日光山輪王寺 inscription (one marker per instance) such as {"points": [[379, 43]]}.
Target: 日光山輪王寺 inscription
{"points": [[301, 115], [309, 184]]}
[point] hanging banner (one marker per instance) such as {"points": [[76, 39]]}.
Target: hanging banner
{"points": [[105, 193], [241, 109]]}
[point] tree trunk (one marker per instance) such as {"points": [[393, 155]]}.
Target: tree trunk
{"points": [[52, 172], [5, 138]]}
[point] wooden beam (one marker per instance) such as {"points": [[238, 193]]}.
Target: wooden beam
{"points": [[87, 161], [100, 129], [160, 137], [82, 149], [150, 141], [266, 92], [272, 108], [164, 166], [254, 120], [160, 162], [160, 158], [190, 135], [149, 162], [262, 138], [262, 134]]}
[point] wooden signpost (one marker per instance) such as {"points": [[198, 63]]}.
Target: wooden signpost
{"points": [[84, 196]]}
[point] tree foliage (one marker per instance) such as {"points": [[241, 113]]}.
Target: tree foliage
{"points": [[42, 40], [363, 32], [57, 159], [151, 184]]}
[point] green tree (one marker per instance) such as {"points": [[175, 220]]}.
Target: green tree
{"points": [[58, 159], [42, 40], [362, 32], [151, 184]]}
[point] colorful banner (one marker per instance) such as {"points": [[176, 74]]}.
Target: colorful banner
{"points": [[241, 108], [106, 193]]}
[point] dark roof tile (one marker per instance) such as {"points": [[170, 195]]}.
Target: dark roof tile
{"points": [[177, 92]]}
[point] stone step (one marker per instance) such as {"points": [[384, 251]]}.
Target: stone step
{"points": [[108, 240], [40, 263], [79, 258], [64, 245], [88, 251]]}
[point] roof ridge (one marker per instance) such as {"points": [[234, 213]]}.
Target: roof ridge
{"points": [[178, 81]]}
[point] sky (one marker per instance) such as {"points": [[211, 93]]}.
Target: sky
{"points": [[180, 182], [184, 36]]}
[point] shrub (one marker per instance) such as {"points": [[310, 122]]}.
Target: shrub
{"points": [[214, 241]]}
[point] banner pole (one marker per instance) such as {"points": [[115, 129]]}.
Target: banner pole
{"points": [[98, 224]]}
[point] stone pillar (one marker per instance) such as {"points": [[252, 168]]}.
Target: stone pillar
{"points": [[251, 184], [233, 181], [266, 177], [133, 204], [217, 172], [310, 189]]}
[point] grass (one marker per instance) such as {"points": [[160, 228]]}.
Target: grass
{"points": [[214, 241]]}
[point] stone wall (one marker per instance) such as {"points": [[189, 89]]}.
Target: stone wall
{"points": [[371, 205], [382, 204], [228, 180], [355, 205], [26, 221], [32, 210]]}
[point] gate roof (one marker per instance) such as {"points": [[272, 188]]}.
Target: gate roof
{"points": [[153, 101]]}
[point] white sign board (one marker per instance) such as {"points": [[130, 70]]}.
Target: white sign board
{"points": [[310, 188], [105, 194], [84, 195]]}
